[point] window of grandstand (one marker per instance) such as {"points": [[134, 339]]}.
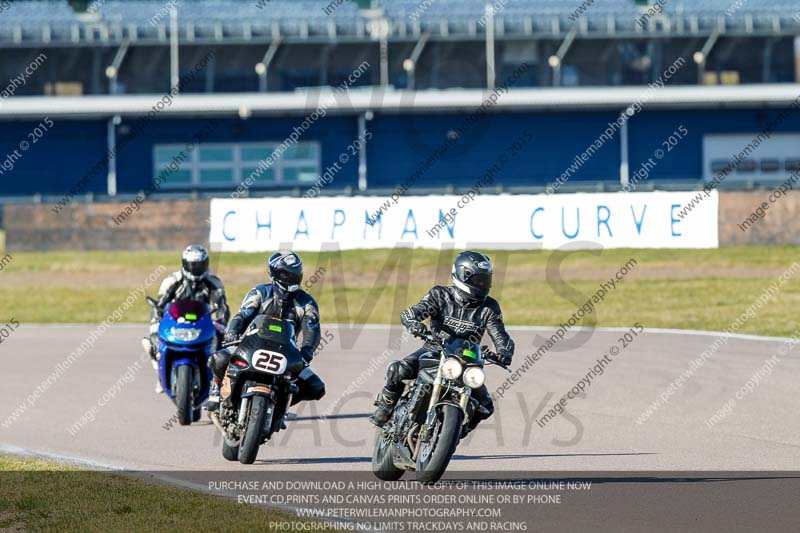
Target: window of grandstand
{"points": [[224, 164], [770, 165], [746, 165], [792, 164], [719, 165]]}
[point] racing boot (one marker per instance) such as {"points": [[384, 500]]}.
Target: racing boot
{"points": [[385, 403], [213, 397], [480, 415]]}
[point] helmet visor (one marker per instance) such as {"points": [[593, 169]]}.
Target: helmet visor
{"points": [[482, 282], [196, 268], [288, 278]]}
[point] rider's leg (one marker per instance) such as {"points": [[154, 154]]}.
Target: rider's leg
{"points": [[396, 372], [310, 385], [485, 407], [218, 363], [150, 345]]}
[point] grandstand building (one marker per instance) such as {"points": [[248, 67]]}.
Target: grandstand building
{"points": [[129, 84]]}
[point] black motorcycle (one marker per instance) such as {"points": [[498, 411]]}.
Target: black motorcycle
{"points": [[433, 412], [258, 387]]}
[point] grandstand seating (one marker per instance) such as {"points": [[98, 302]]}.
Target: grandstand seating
{"points": [[752, 30], [54, 19], [292, 17], [46, 20]]}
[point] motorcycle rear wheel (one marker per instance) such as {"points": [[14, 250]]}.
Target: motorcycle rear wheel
{"points": [[231, 453], [382, 464]]}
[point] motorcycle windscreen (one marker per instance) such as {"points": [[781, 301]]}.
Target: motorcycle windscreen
{"points": [[464, 349], [189, 310], [277, 330]]}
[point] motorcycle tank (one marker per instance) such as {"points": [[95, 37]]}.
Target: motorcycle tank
{"points": [[186, 323]]}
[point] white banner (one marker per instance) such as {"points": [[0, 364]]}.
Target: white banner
{"points": [[583, 220]]}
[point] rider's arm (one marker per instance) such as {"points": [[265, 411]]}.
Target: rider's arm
{"points": [[217, 300], [503, 343], [247, 312], [310, 325], [166, 293], [422, 310]]}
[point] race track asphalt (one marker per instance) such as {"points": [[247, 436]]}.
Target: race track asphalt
{"points": [[662, 471], [599, 431]]}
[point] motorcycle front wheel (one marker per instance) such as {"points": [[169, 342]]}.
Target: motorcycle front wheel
{"points": [[435, 455], [254, 427], [183, 394]]}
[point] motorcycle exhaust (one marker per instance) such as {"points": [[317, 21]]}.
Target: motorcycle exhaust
{"points": [[214, 417]]}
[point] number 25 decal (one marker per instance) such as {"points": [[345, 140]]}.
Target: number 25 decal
{"points": [[270, 362]]}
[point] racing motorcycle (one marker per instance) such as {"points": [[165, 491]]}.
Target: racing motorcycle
{"points": [[433, 412], [186, 337], [258, 387]]}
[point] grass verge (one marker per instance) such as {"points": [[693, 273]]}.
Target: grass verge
{"points": [[40, 495], [696, 289]]}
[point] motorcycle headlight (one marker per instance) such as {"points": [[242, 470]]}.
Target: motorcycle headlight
{"points": [[474, 377], [451, 368], [185, 334]]}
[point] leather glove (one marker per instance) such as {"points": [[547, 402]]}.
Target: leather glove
{"points": [[418, 329], [504, 358], [307, 353], [234, 330]]}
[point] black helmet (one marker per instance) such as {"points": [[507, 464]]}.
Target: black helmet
{"points": [[286, 270], [472, 275], [194, 262]]}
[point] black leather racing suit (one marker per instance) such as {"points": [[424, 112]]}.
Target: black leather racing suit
{"points": [[299, 307], [451, 312]]}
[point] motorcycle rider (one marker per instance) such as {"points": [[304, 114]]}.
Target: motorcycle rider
{"points": [[192, 282], [285, 299], [462, 310]]}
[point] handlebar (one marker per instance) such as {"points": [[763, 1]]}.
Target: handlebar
{"points": [[433, 339], [493, 361], [493, 358], [489, 356]]}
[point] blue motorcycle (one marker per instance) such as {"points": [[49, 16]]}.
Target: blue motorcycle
{"points": [[186, 337]]}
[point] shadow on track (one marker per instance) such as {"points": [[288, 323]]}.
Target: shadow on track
{"points": [[295, 418], [315, 461], [529, 456]]}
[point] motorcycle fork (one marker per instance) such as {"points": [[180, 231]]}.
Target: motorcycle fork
{"points": [[437, 387], [242, 411], [465, 400], [425, 431]]}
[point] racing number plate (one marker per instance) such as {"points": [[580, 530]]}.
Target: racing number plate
{"points": [[269, 362]]}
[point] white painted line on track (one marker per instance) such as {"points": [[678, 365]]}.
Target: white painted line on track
{"points": [[24, 452], [163, 477]]}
